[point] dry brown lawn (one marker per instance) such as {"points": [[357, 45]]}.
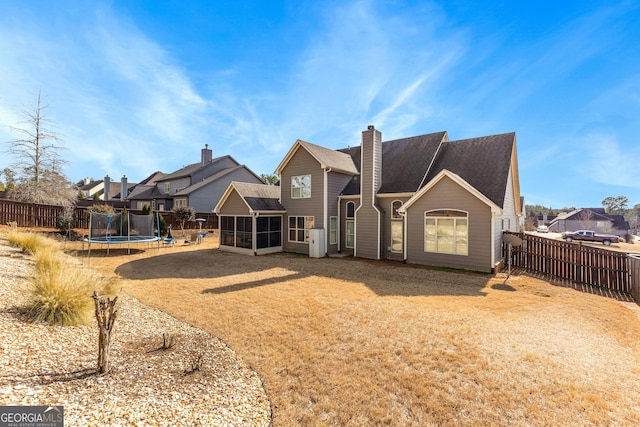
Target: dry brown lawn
{"points": [[354, 342]]}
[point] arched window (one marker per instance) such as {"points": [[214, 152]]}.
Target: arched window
{"points": [[397, 204], [350, 225], [446, 231], [397, 229]]}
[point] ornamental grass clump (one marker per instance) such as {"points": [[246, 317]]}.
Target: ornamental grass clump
{"points": [[61, 292], [29, 242]]}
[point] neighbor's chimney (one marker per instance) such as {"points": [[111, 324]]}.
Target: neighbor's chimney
{"points": [[107, 187], [87, 181], [207, 155], [124, 189]]}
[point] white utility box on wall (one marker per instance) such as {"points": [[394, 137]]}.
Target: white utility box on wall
{"points": [[316, 243]]}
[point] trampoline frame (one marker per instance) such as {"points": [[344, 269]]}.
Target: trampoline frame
{"points": [[120, 240]]}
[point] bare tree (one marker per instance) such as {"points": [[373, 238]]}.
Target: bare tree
{"points": [[39, 167]]}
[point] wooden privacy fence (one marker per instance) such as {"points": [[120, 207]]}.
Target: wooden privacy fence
{"points": [[634, 277], [575, 262], [45, 216]]}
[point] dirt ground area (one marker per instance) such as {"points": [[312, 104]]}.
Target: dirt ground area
{"points": [[342, 341]]}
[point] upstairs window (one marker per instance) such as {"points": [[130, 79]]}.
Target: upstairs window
{"points": [[301, 187], [167, 187]]}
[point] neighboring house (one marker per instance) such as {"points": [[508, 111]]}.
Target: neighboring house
{"points": [[198, 185], [593, 219], [105, 189], [89, 188], [423, 200]]}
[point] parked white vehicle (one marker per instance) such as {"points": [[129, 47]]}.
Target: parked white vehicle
{"points": [[542, 229]]}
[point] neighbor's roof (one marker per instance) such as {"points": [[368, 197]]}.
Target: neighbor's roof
{"points": [[328, 158], [188, 190], [192, 168], [594, 214]]}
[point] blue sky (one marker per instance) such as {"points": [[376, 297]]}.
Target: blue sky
{"points": [[139, 86]]}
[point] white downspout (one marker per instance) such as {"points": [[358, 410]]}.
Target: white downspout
{"points": [[326, 210]]}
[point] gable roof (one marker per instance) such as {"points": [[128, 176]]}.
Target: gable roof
{"points": [[328, 158], [188, 190], [458, 180], [404, 163], [593, 214], [484, 162], [257, 197], [189, 170]]}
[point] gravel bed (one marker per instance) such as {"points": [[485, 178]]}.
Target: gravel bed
{"points": [[199, 381]]}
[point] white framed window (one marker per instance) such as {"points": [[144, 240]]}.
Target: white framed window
{"points": [[333, 230], [350, 225], [301, 187], [167, 187], [397, 204], [299, 227], [446, 231]]}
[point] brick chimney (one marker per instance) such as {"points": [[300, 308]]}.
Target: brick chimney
{"points": [[124, 191], [206, 156]]}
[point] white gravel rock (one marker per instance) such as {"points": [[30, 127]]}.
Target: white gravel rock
{"points": [[198, 382]]}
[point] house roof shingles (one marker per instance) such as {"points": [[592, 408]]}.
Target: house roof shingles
{"points": [[259, 197], [483, 162]]}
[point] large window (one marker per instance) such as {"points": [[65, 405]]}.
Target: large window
{"points": [[268, 231], [236, 231], [446, 231], [167, 187], [299, 227], [396, 227], [301, 187], [350, 225], [333, 230]]}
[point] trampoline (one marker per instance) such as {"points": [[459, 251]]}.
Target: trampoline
{"points": [[119, 229]]}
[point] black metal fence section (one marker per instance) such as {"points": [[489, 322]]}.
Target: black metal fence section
{"points": [[45, 216], [575, 262]]}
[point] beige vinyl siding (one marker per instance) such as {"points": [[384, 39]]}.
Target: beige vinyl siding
{"points": [[234, 205], [508, 213], [385, 204], [335, 184], [302, 163], [446, 194]]}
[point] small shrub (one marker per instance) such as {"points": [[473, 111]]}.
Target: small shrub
{"points": [[103, 208]]}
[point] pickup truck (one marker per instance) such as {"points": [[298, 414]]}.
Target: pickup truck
{"points": [[591, 236]]}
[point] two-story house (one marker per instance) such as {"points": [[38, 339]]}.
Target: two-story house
{"points": [[198, 185], [423, 200]]}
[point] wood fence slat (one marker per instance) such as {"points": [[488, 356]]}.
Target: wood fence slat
{"points": [[578, 263]]}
